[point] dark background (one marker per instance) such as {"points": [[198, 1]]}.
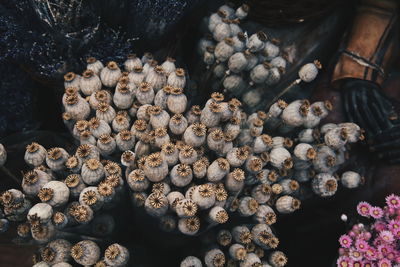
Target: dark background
{"points": [[34, 56]]}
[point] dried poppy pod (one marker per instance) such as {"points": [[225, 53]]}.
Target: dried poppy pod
{"points": [[132, 62], [120, 122], [75, 184], [60, 220], [295, 113], [105, 112], [237, 156], [214, 258], [254, 164], [287, 204], [169, 65], [33, 181], [273, 115], [94, 65], [238, 61], [155, 167], [281, 158], [351, 179], [200, 169], [353, 132], [159, 118], [237, 252], [173, 198], [241, 234], [305, 152], [156, 77], [251, 260], [77, 107], [218, 169], [178, 124], [86, 137], [56, 158], [72, 79], [73, 164], [145, 93], [181, 175], [116, 255], [224, 50], [224, 238], [35, 154], [156, 204], [193, 115], [137, 76], [289, 186], [125, 140], [277, 259], [81, 213], [248, 206], [234, 181], [271, 50], [215, 19], [92, 171], [40, 213], [106, 144], [137, 180], [56, 251], [87, 151], [221, 31], [325, 161], [211, 114], [216, 140], [260, 73], [191, 261], [170, 153], [309, 71], [112, 168], [177, 78], [161, 97], [189, 226], [262, 193], [91, 197], [324, 185], [186, 208], [218, 215], [89, 83], [336, 138], [110, 74], [79, 127], [101, 96], [177, 101], [54, 193], [85, 252], [262, 143], [204, 195], [257, 41], [187, 155], [265, 214], [195, 134], [161, 137], [43, 233]]}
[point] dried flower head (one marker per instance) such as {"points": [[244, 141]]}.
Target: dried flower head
{"points": [[103, 107], [217, 135], [137, 175], [255, 164], [77, 251], [221, 194], [206, 190], [70, 76], [193, 224], [187, 151], [184, 170], [112, 252], [154, 160], [48, 254], [101, 95], [113, 180], [72, 180], [30, 177], [92, 164], [218, 97], [242, 153], [105, 189], [54, 153], [72, 162], [58, 218], [89, 197], [189, 208], [177, 91], [156, 200], [196, 110], [222, 216], [160, 132], [223, 164], [46, 194], [215, 107], [112, 168], [199, 129], [168, 148], [140, 125], [80, 213], [144, 87]]}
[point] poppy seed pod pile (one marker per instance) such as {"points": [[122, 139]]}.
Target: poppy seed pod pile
{"points": [[100, 105], [61, 192], [244, 64]]}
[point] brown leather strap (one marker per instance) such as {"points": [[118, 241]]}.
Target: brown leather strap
{"points": [[372, 43]]}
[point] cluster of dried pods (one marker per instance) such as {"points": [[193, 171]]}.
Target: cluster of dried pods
{"points": [[245, 65], [190, 167], [61, 192]]}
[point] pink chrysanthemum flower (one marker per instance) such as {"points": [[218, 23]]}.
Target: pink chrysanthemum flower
{"points": [[358, 263], [386, 236], [384, 263], [355, 255], [371, 254], [393, 225], [361, 245], [363, 208], [393, 201], [345, 241], [380, 226], [366, 264], [344, 262], [376, 212], [396, 233], [384, 249]]}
